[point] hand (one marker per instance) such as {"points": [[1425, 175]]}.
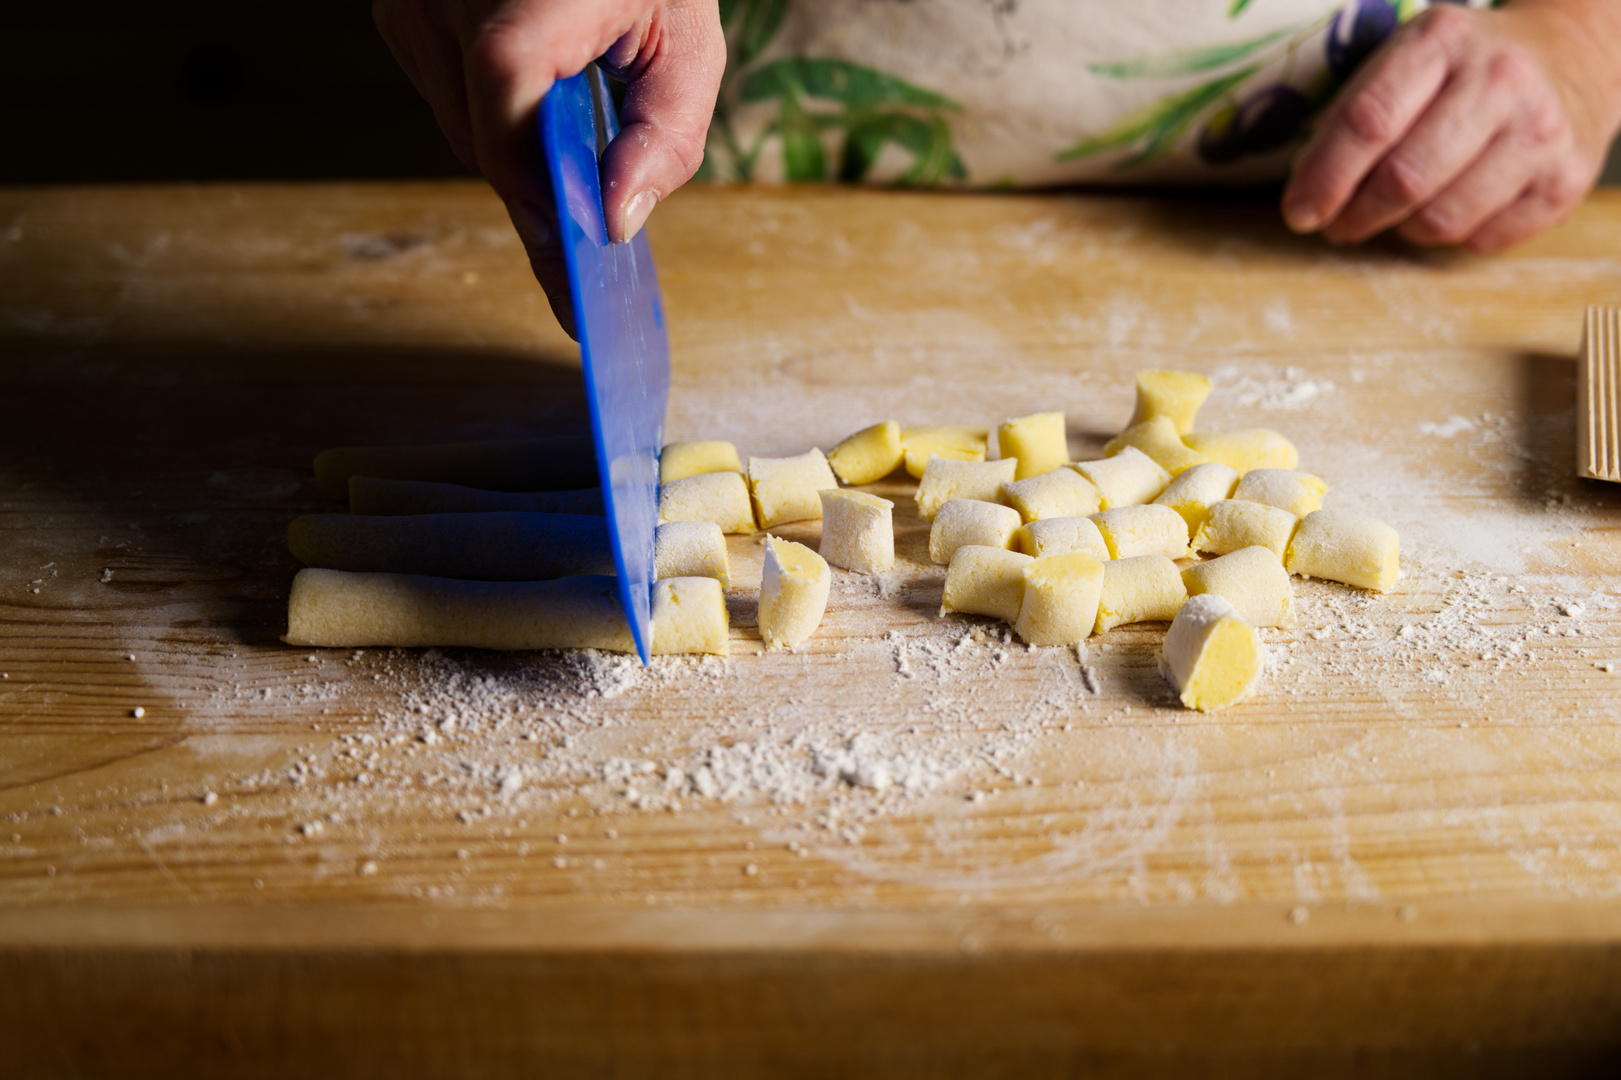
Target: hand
{"points": [[1479, 128], [484, 65]]}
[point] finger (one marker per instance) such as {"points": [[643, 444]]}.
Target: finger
{"points": [[537, 228], [1547, 202], [1488, 186], [1368, 117], [1468, 114], [432, 61], [666, 116]]}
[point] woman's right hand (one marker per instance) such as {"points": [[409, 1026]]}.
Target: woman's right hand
{"points": [[485, 64]]}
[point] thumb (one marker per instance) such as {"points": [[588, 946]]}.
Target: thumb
{"points": [[673, 62]]}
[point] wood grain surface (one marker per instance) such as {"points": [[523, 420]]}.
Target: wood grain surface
{"points": [[1402, 857]]}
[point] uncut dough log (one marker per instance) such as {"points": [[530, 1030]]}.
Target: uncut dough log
{"points": [[1158, 439], [377, 497], [679, 460], [1211, 655], [1062, 492], [1062, 536], [335, 609], [1249, 448], [1234, 523], [870, 454], [955, 442], [721, 497], [691, 549], [964, 522], [566, 463], [985, 581], [793, 593], [496, 546], [858, 531], [1347, 548], [1037, 442], [1126, 479], [1146, 588], [1287, 489], [1251, 579], [945, 479], [1195, 491], [1060, 604], [1173, 394], [1143, 530], [789, 489]]}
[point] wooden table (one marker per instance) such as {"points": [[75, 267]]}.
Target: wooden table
{"points": [[216, 852]]}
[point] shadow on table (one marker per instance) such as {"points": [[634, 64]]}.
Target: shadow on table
{"points": [[1547, 439], [160, 479]]}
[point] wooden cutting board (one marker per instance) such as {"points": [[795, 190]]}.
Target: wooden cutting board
{"points": [[912, 848]]}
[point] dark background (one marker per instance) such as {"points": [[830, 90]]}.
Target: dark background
{"points": [[108, 91]]}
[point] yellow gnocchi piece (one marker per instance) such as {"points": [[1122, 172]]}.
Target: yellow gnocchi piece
{"points": [[1038, 442], [1159, 440], [691, 549], [689, 616], [1141, 589], [679, 460], [1251, 579], [721, 497], [1062, 536], [858, 531], [985, 581], [1344, 547], [945, 479], [1195, 491], [1130, 531], [793, 593], [1287, 489], [1126, 479], [1234, 523], [1211, 655], [1063, 492], [1176, 395], [955, 442], [789, 489], [870, 454], [962, 522], [1249, 448], [1060, 604]]}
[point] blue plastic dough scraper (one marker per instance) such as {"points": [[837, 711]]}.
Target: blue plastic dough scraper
{"points": [[620, 322]]}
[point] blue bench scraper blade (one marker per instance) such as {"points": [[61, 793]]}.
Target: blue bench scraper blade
{"points": [[619, 318]]}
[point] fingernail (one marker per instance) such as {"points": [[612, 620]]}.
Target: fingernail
{"points": [[1300, 215], [636, 213]]}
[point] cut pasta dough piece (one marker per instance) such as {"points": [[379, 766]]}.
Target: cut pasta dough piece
{"points": [[858, 531], [560, 464], [372, 496], [870, 454], [1234, 523], [691, 549], [1211, 655], [1348, 548], [793, 593], [1128, 478], [1287, 489], [1062, 536], [1060, 603], [1176, 395], [1250, 448], [787, 489], [963, 522], [1037, 442], [721, 497], [1143, 530], [680, 460], [1063, 492], [498, 546], [1251, 579], [1146, 588], [333, 608], [954, 442], [1195, 491], [985, 581], [945, 480], [1158, 439]]}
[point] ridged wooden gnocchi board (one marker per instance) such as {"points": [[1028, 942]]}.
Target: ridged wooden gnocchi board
{"points": [[911, 848]]}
